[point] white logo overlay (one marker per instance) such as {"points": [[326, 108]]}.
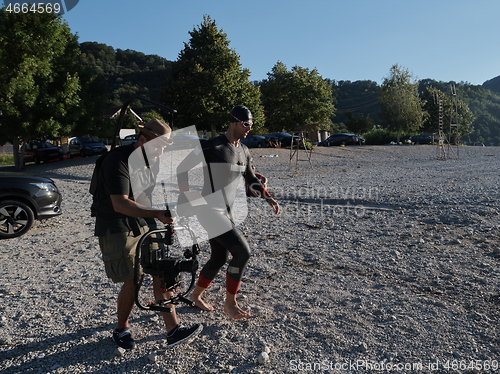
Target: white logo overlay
{"points": [[156, 169]]}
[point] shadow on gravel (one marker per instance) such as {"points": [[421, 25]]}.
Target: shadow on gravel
{"points": [[71, 349], [55, 169]]}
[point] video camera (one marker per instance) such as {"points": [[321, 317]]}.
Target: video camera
{"points": [[155, 256]]}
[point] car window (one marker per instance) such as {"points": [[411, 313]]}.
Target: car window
{"points": [[90, 140]]}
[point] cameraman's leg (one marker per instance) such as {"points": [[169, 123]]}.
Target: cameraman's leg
{"points": [[125, 304], [170, 319], [118, 254]]}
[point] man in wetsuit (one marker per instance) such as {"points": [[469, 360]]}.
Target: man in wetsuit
{"points": [[225, 161]]}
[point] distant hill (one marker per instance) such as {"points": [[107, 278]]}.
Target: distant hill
{"points": [[127, 73], [493, 84]]}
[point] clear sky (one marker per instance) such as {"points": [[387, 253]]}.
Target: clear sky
{"points": [[445, 40]]}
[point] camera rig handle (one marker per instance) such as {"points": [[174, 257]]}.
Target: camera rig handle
{"points": [[153, 256]]}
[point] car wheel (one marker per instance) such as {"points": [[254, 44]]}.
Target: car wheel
{"points": [[259, 145], [16, 218], [342, 142]]}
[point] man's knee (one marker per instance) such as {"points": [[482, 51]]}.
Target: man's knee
{"points": [[241, 255]]}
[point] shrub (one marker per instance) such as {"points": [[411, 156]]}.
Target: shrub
{"points": [[381, 137], [6, 160]]}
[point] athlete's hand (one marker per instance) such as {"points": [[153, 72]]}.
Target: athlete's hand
{"points": [[274, 204]]}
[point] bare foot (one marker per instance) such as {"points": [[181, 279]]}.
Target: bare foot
{"points": [[235, 312], [199, 303]]}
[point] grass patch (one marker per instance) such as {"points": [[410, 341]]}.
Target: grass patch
{"points": [[6, 160]]}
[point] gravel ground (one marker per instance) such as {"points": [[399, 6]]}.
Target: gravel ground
{"points": [[384, 259]]}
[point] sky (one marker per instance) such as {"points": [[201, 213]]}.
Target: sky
{"points": [[444, 40]]}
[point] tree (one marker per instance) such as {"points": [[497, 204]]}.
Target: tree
{"points": [[295, 98], [483, 103], [153, 114], [39, 82], [88, 116], [207, 81], [359, 98], [400, 102], [453, 111], [358, 124]]}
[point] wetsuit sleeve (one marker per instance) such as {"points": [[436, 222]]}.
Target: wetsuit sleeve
{"points": [[252, 180]]}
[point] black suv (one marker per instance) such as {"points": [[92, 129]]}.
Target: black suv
{"points": [[343, 139], [282, 137], [24, 198], [420, 139], [42, 151]]}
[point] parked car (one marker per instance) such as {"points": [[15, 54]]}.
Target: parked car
{"points": [[87, 146], [420, 139], [24, 198], [42, 151], [283, 137], [129, 139], [342, 139], [255, 141], [185, 141]]}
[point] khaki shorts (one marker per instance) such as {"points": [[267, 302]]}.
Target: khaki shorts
{"points": [[118, 253]]}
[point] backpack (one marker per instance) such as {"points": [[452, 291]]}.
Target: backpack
{"points": [[95, 181], [95, 175]]}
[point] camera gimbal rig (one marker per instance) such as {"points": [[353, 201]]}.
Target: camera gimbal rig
{"points": [[154, 255]]}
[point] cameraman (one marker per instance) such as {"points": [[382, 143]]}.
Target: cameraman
{"points": [[120, 223]]}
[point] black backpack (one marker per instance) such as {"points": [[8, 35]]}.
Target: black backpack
{"points": [[95, 179]]}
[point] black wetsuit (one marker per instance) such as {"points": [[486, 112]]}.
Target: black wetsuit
{"points": [[224, 165]]}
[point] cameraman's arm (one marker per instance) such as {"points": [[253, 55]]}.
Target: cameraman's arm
{"points": [[122, 204]]}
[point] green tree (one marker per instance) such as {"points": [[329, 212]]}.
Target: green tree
{"points": [[400, 103], [483, 103], [207, 81], [153, 114], [88, 116], [295, 98], [358, 124], [39, 81], [454, 110], [359, 98]]}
